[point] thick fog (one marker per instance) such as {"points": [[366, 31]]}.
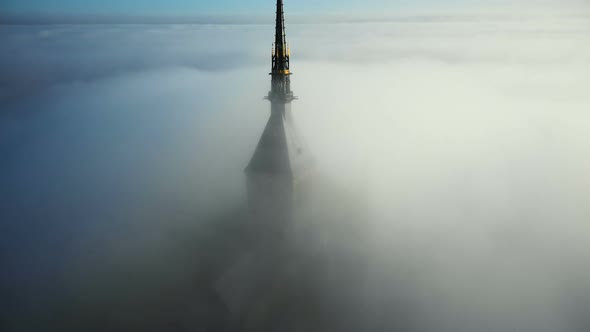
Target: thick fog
{"points": [[467, 136]]}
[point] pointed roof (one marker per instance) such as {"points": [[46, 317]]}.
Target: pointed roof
{"points": [[280, 150], [272, 153]]}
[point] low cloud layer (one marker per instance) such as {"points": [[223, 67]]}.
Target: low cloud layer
{"points": [[470, 138]]}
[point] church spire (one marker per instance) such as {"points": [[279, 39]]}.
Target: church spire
{"points": [[281, 83], [280, 151], [280, 59]]}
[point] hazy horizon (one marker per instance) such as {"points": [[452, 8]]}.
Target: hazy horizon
{"points": [[467, 135]]}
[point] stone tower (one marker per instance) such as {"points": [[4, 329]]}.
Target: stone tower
{"points": [[278, 173]]}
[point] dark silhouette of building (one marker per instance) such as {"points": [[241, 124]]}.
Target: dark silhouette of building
{"points": [[278, 174], [257, 288]]}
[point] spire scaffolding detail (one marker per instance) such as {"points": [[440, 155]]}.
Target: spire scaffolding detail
{"points": [[281, 83]]}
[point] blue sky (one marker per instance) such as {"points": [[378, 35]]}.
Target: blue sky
{"points": [[221, 6]]}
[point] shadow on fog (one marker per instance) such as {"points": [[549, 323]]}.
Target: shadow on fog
{"points": [[123, 180]]}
